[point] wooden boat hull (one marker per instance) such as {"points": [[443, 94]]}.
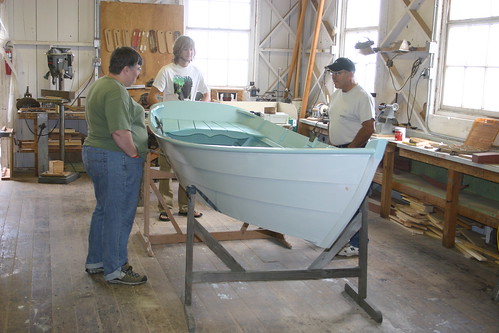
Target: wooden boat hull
{"points": [[295, 187]]}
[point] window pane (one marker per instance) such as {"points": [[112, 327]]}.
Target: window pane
{"points": [[240, 15], [493, 46], [467, 9], [238, 45], [453, 86], [238, 73], [491, 102], [473, 88], [455, 54], [362, 13], [476, 46], [365, 65], [196, 16], [201, 42], [217, 72], [221, 30], [472, 56]]}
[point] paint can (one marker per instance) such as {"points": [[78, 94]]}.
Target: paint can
{"points": [[400, 133]]}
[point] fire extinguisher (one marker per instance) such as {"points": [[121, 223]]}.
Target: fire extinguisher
{"points": [[8, 53]]}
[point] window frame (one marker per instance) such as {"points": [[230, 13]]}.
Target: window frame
{"points": [[250, 33], [439, 88]]}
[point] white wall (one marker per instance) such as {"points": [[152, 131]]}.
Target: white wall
{"points": [[34, 26]]}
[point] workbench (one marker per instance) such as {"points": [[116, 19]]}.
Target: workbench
{"points": [[50, 115], [316, 128], [456, 167]]}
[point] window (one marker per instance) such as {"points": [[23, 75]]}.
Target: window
{"points": [[470, 69], [221, 30], [361, 24]]}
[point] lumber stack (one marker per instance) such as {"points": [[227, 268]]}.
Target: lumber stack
{"points": [[423, 219]]}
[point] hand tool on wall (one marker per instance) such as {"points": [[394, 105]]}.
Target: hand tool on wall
{"points": [[143, 41], [153, 41], [136, 39], [169, 41], [127, 40], [108, 35], [161, 41], [118, 42]]}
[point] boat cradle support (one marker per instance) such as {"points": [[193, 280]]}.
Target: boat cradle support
{"points": [[315, 271]]}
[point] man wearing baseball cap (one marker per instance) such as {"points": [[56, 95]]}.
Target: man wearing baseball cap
{"points": [[351, 119]]}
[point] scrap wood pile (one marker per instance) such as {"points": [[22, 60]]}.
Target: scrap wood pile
{"points": [[424, 219]]}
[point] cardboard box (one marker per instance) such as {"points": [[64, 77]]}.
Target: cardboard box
{"points": [[277, 118]]}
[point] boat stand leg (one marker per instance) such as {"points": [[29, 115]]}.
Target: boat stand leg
{"points": [[189, 256], [360, 296]]}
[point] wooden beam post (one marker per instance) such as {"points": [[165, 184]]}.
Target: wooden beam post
{"points": [[311, 60], [294, 64]]}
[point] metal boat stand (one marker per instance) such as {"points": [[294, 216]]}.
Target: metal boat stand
{"points": [[314, 272], [148, 239]]}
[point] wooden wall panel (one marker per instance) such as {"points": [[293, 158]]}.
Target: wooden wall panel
{"points": [[86, 21], [120, 15], [24, 21], [67, 20], [46, 21]]}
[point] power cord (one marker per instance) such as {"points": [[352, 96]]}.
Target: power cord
{"points": [[409, 114], [414, 70]]}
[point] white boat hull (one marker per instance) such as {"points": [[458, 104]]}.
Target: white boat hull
{"points": [[310, 193]]}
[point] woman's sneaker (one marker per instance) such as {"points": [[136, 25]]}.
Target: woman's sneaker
{"points": [[349, 251], [100, 270], [130, 278]]}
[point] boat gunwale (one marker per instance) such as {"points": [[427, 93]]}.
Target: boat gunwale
{"points": [[279, 150]]}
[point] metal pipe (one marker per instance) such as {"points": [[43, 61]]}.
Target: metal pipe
{"points": [[97, 60]]}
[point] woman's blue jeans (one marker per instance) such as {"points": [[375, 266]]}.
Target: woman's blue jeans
{"points": [[117, 178]]}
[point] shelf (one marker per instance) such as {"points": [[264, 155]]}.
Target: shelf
{"points": [[475, 207]]}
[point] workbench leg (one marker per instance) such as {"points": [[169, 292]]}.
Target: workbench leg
{"points": [[41, 143], [386, 186], [454, 179]]}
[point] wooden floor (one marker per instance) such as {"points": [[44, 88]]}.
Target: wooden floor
{"points": [[417, 284]]}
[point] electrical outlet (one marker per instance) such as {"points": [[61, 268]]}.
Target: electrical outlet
{"points": [[425, 73]]}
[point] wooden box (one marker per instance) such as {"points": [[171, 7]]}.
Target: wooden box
{"points": [[56, 166]]}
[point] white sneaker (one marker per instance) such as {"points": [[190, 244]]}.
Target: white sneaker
{"points": [[349, 251]]}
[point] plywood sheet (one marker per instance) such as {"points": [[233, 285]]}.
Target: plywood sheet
{"points": [[145, 17]]}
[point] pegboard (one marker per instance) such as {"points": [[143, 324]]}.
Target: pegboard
{"points": [[120, 22]]}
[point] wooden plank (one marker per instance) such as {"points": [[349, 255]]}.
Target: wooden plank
{"points": [[444, 163]]}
